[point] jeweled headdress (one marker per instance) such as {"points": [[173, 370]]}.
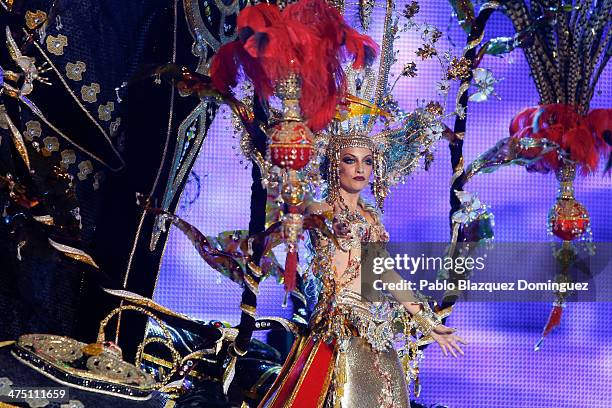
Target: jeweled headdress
{"points": [[369, 115]]}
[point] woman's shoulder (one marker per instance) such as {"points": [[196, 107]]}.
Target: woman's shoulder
{"points": [[372, 211]]}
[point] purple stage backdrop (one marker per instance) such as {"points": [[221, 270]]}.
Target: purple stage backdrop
{"points": [[500, 369]]}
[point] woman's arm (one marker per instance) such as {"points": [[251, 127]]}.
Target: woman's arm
{"points": [[419, 309], [406, 296], [428, 322]]}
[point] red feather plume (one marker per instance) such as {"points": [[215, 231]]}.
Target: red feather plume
{"points": [[309, 38], [600, 123], [582, 137]]}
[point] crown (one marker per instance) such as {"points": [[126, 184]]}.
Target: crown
{"points": [[339, 141]]}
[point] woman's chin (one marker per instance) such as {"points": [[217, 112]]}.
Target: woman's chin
{"points": [[355, 187]]}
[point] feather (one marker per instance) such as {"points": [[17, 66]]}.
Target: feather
{"points": [[582, 138], [521, 120], [309, 38], [600, 123], [579, 143], [336, 41], [362, 47], [223, 69], [258, 17]]}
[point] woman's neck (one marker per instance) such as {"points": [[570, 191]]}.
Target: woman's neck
{"points": [[351, 200]]}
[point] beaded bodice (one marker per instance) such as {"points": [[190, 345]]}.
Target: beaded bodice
{"points": [[361, 230], [341, 312]]}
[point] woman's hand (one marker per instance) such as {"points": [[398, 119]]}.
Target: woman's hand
{"points": [[447, 340]]}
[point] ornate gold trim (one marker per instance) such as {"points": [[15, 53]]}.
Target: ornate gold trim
{"points": [[248, 309], [256, 269], [55, 45], [176, 357], [251, 283], [328, 379], [145, 302], [167, 341], [35, 19], [179, 168], [38, 113], [200, 33], [89, 93], [75, 70], [80, 387], [105, 112], [165, 363], [17, 140], [44, 219], [270, 371]]}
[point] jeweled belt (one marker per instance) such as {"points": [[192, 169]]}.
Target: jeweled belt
{"points": [[353, 311]]}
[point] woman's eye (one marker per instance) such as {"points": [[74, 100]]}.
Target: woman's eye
{"points": [[348, 160], [369, 162]]}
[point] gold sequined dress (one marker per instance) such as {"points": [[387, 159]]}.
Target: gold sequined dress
{"points": [[349, 359]]}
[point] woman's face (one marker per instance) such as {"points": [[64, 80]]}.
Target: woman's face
{"points": [[355, 168]]}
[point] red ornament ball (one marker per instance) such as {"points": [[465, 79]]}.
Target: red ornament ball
{"points": [[568, 219], [291, 145]]}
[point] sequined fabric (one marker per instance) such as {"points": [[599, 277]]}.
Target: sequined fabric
{"points": [[368, 375], [353, 316]]}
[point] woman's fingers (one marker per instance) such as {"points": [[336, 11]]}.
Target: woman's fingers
{"points": [[460, 340], [449, 343], [444, 349], [456, 346]]}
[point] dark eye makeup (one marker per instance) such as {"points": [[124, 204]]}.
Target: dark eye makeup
{"points": [[350, 160]]}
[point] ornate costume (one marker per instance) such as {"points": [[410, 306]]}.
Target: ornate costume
{"points": [[348, 359]]}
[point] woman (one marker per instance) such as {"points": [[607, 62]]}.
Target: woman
{"points": [[348, 360]]}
